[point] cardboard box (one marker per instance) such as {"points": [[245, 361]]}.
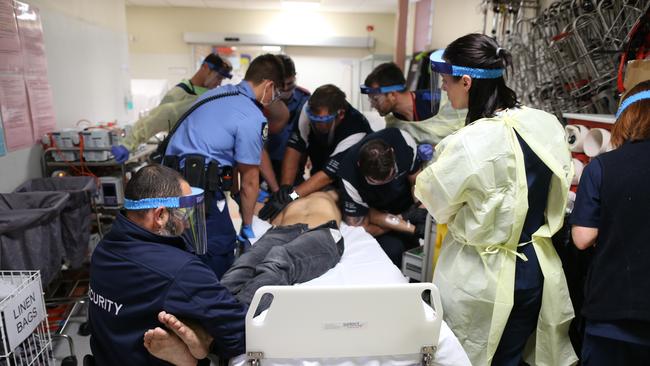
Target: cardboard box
{"points": [[636, 72]]}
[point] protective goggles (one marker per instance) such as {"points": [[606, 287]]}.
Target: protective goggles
{"points": [[327, 119], [631, 100], [219, 70], [186, 216], [382, 89]]}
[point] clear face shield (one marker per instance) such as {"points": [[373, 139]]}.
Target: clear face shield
{"points": [[186, 217], [321, 124], [377, 96], [440, 67]]}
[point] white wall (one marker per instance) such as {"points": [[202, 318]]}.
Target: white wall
{"points": [[87, 57], [453, 19], [157, 49]]}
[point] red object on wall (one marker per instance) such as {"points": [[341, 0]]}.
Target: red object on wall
{"points": [[370, 27]]}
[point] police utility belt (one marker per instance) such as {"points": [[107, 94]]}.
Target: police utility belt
{"points": [[211, 177]]}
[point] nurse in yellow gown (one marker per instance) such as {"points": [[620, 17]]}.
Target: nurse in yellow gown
{"points": [[500, 183]]}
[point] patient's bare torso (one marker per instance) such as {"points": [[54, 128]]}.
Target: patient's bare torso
{"points": [[313, 210]]}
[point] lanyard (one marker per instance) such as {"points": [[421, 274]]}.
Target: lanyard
{"points": [[416, 117]]}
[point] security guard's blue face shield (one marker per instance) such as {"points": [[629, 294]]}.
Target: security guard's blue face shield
{"points": [[440, 67], [186, 217]]}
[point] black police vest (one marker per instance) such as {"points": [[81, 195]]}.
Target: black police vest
{"points": [[618, 282]]}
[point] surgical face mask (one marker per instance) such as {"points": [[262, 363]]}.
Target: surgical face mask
{"points": [[275, 94], [213, 80], [289, 87], [186, 217]]}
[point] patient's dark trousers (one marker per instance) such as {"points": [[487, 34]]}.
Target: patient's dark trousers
{"points": [[285, 255]]}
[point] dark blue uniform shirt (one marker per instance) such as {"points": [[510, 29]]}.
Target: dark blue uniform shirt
{"points": [[586, 212], [538, 177], [277, 143], [134, 274], [358, 196]]}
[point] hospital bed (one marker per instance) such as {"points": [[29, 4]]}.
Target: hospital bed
{"points": [[326, 321]]}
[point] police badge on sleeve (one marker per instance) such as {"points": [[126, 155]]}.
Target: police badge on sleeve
{"points": [[265, 131]]}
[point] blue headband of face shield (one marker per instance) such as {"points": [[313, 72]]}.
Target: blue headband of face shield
{"points": [[440, 66], [320, 119], [632, 99], [195, 198], [382, 89], [221, 71]]}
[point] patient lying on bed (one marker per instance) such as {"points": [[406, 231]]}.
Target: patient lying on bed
{"points": [[304, 243]]}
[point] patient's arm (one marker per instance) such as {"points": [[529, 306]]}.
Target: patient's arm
{"points": [[390, 222], [364, 222]]}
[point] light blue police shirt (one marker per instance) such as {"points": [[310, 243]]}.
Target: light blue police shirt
{"points": [[228, 130]]}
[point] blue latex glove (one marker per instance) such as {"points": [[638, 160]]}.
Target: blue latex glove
{"points": [[243, 242], [247, 232], [425, 152], [261, 197], [120, 152]]}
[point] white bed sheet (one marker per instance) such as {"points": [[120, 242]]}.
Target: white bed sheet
{"points": [[364, 263]]}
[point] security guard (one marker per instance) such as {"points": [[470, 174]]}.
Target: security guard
{"points": [[377, 176], [224, 129], [427, 117], [295, 98], [176, 102], [143, 265], [328, 125]]}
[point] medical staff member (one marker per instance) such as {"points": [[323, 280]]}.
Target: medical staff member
{"points": [[500, 183], [328, 126], [426, 116], [175, 102], [145, 265], [377, 177], [228, 130], [295, 98], [611, 215]]}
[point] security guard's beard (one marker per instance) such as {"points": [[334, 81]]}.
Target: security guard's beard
{"points": [[170, 229]]}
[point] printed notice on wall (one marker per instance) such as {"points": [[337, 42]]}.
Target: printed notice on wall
{"points": [[41, 106], [31, 39], [15, 112], [11, 59]]}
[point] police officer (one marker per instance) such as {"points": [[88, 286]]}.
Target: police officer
{"points": [[227, 129], [142, 266], [175, 102], [427, 117], [377, 176], [328, 125], [295, 98]]}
